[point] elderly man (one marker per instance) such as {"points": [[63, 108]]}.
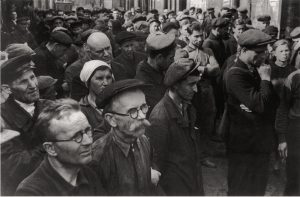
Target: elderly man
{"points": [[97, 47], [48, 56], [161, 51], [124, 66], [20, 152], [251, 111], [172, 132], [122, 157], [67, 139]]}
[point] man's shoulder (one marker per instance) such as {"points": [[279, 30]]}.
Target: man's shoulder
{"points": [[100, 146]]}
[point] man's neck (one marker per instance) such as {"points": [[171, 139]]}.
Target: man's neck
{"points": [[175, 97], [122, 137], [68, 173], [281, 63], [153, 64]]}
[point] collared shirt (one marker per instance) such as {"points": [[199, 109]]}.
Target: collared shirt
{"points": [[46, 181], [124, 168], [28, 107]]}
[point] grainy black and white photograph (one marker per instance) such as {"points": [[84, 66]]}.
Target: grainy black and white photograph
{"points": [[150, 98]]}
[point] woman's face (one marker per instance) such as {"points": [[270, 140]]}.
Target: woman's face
{"points": [[100, 80], [282, 53]]}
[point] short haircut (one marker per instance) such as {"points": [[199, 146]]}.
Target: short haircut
{"points": [[53, 110], [281, 42], [194, 27]]}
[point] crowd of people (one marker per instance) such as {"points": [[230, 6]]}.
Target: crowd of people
{"points": [[108, 102]]}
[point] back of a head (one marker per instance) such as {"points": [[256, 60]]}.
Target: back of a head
{"points": [[98, 40]]}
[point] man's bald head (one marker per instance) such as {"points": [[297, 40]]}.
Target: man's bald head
{"points": [[98, 47]]}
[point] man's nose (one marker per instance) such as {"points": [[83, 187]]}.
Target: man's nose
{"points": [[86, 140]]}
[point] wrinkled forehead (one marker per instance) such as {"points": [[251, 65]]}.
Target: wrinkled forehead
{"points": [[129, 99], [98, 41]]}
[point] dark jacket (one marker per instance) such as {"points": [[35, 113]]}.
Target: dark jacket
{"points": [[45, 181], [18, 36], [151, 76], [125, 169], [231, 45], [21, 155], [124, 67], [250, 132], [175, 143]]}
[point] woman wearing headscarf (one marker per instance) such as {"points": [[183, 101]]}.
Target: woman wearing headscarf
{"points": [[96, 75]]}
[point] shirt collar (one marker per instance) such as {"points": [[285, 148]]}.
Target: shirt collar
{"points": [[125, 147], [28, 107]]}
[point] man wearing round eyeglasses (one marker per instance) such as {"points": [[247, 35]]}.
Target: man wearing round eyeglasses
{"points": [[122, 156], [67, 139]]}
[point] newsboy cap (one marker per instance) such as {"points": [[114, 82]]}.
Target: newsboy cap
{"points": [[242, 9], [178, 70], [170, 12], [15, 67], [61, 38], [264, 18], [271, 30], [159, 40], [254, 39], [45, 82], [152, 18], [124, 36], [18, 49], [57, 17], [220, 22], [138, 17], [116, 88], [210, 9], [295, 33]]}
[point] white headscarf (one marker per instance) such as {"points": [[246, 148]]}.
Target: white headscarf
{"points": [[89, 68]]}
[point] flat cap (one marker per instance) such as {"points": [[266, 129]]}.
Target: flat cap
{"points": [[45, 82], [178, 70], [141, 36], [15, 67], [57, 17], [271, 30], [61, 38], [168, 26], [186, 11], [210, 9], [159, 40], [116, 88], [71, 18], [295, 33], [254, 39], [141, 26], [220, 22], [263, 18], [16, 49], [183, 16], [242, 9], [124, 36], [22, 18], [170, 12], [76, 24], [138, 17], [152, 18]]}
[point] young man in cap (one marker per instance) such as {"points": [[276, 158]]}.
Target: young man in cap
{"points": [[172, 132], [242, 15], [204, 99], [288, 127], [124, 66], [67, 139], [21, 34], [263, 21], [21, 154], [122, 157], [251, 109], [57, 21], [161, 51], [96, 47], [154, 23], [47, 58]]}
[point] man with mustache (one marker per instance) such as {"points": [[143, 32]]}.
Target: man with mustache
{"points": [[172, 132], [251, 104], [67, 138], [122, 157], [20, 153]]}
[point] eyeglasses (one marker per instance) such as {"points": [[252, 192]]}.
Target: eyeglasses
{"points": [[78, 136], [134, 112]]}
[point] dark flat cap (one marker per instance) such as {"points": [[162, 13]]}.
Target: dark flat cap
{"points": [[220, 22], [263, 18], [186, 11], [254, 39], [22, 18], [168, 26], [242, 9], [61, 38], [71, 18], [210, 9], [140, 36], [116, 88], [271, 30], [57, 17], [45, 82], [178, 70], [295, 33], [138, 17], [124, 36], [159, 40], [76, 24], [17, 49], [15, 67], [170, 12], [183, 16], [152, 18]]}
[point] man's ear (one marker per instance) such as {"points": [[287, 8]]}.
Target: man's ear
{"points": [[110, 118], [50, 149]]}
